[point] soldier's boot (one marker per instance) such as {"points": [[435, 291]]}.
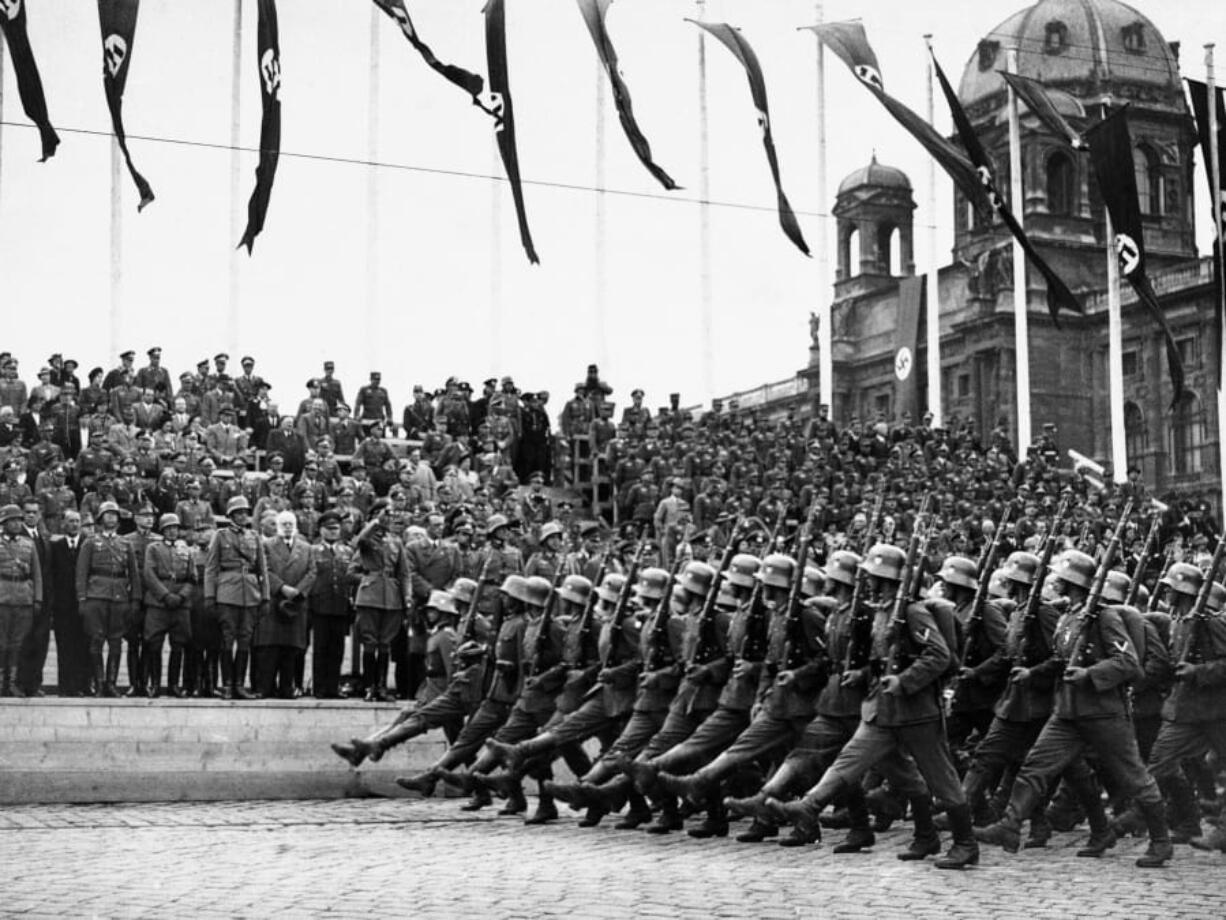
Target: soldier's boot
{"points": [[638, 814], [693, 787], [1160, 850], [353, 752], [1040, 832], [644, 774], [517, 803], [887, 806], [669, 817], [464, 780], [1064, 812], [225, 662], [965, 849], [803, 814], [423, 783], [514, 756], [565, 792], [860, 837], [370, 675], [503, 785], [136, 671], [1090, 801], [546, 811], [381, 691], [759, 830], [240, 676], [480, 799], [926, 839], [592, 817], [1183, 811], [1005, 833], [1214, 840], [153, 669], [716, 822], [99, 674], [837, 820], [1129, 823], [749, 807], [6, 677], [112, 672], [174, 670]]}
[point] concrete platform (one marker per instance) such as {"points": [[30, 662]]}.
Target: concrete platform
{"points": [[68, 750]]}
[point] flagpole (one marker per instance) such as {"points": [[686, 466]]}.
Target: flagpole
{"points": [[825, 339], [704, 211], [496, 352], [116, 317], [1218, 209], [933, 310], [236, 222], [2, 47], [373, 340], [1021, 331], [599, 274], [1115, 359]]}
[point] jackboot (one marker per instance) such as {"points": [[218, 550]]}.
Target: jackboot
{"points": [[644, 773], [758, 830], [1005, 833], [745, 808], [153, 669], [545, 812], [860, 836], [517, 804], [1160, 850], [112, 672], [136, 671], [1040, 832], [693, 787], [480, 799], [668, 819], [715, 824], [99, 672], [423, 783], [802, 814], [240, 674], [638, 814], [926, 840], [965, 850], [381, 692], [1183, 811], [174, 669], [226, 662], [370, 675]]}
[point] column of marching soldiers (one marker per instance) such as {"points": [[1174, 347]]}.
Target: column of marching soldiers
{"points": [[1004, 700]]}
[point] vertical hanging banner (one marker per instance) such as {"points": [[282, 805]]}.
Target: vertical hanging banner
{"points": [[1036, 97], [594, 12], [732, 39], [118, 21], [1200, 109], [29, 83], [850, 44], [268, 44], [504, 114], [470, 82], [1111, 154], [911, 299], [1058, 294]]}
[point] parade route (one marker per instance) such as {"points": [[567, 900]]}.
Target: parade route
{"points": [[375, 857]]}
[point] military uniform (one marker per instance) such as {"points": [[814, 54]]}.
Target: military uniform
{"points": [[329, 605], [108, 584], [235, 585], [385, 592], [21, 593], [169, 580]]}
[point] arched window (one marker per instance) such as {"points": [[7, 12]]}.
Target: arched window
{"points": [[1060, 193], [1149, 180], [1136, 439], [1055, 37], [887, 249], [853, 252], [1188, 435]]}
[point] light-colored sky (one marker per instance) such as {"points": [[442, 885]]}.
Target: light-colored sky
{"points": [[453, 293]]}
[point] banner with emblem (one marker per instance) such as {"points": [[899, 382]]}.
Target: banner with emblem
{"points": [[503, 110], [268, 44], [1111, 154], [732, 39], [906, 345], [594, 12], [1200, 109], [470, 82], [1059, 297], [29, 83], [118, 21], [850, 43]]}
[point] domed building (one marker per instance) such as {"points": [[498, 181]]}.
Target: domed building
{"points": [[1087, 52]]}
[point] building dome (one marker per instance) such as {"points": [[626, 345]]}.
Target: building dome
{"points": [[875, 175], [1087, 46]]}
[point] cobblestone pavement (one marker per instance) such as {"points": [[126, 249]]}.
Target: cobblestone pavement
{"points": [[376, 857]]}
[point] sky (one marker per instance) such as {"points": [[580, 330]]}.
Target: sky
{"points": [[413, 267]]}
